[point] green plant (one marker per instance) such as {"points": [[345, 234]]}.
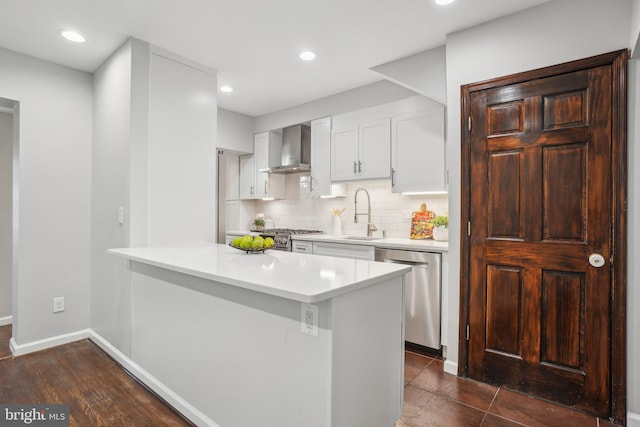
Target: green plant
{"points": [[258, 222], [439, 221]]}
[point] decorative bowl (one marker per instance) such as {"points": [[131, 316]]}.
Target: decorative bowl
{"points": [[251, 250]]}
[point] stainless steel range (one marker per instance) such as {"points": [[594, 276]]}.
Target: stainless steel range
{"points": [[282, 236]]}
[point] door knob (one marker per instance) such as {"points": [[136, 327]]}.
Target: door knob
{"points": [[596, 260]]}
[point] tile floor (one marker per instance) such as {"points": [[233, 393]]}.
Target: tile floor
{"points": [[433, 398]]}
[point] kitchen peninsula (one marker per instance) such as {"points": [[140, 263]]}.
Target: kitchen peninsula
{"points": [[270, 339]]}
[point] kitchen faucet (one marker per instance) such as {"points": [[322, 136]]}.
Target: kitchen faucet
{"points": [[370, 227]]}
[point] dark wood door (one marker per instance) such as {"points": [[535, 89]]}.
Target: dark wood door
{"points": [[540, 205]]}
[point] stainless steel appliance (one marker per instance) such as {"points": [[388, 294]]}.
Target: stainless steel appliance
{"points": [[296, 151], [282, 236], [421, 294]]}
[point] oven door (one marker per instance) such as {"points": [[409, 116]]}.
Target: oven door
{"points": [[281, 242]]}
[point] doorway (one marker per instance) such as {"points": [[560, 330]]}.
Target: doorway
{"points": [[8, 217], [543, 270]]}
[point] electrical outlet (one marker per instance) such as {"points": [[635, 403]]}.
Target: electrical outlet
{"points": [[58, 304], [309, 323]]}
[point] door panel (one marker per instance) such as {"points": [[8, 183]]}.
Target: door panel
{"points": [[564, 192], [540, 180]]}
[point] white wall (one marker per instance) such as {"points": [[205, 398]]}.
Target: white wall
{"points": [[235, 131], [634, 41], [377, 93], [182, 153], [633, 242], [112, 105], [424, 73], [6, 201], [154, 156], [511, 45], [54, 200]]}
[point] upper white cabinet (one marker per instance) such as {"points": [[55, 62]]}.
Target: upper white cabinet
{"points": [[418, 152], [374, 150], [247, 177], [361, 151], [320, 185], [267, 152]]}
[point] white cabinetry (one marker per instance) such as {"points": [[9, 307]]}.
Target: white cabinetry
{"points": [[247, 177], [361, 152], [320, 185], [344, 250], [418, 152], [302, 247], [267, 152], [374, 150]]}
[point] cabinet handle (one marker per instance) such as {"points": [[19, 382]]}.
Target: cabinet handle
{"points": [[359, 167], [265, 187], [251, 190], [355, 167], [310, 184], [393, 178]]}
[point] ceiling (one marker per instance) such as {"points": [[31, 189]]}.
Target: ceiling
{"points": [[254, 44]]}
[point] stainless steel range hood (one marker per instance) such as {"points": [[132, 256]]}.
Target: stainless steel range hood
{"points": [[296, 150]]}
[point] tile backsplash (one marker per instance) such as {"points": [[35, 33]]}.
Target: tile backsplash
{"points": [[389, 211]]}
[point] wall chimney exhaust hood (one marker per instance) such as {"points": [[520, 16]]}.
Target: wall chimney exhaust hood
{"points": [[296, 150]]}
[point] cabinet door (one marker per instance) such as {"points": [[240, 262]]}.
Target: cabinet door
{"points": [[374, 150], [302, 247], [418, 152], [247, 177], [321, 157], [344, 250], [267, 148], [344, 154]]}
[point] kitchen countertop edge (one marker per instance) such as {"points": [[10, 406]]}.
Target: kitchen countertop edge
{"points": [[149, 256]]}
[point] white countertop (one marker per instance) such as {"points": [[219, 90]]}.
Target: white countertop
{"points": [[387, 242], [300, 277]]}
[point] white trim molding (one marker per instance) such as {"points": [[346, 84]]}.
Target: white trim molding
{"points": [[633, 420], [173, 399], [451, 367], [4, 321], [22, 349]]}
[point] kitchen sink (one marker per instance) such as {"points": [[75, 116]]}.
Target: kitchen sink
{"points": [[361, 238]]}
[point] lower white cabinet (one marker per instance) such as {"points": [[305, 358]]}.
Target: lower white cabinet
{"points": [[302, 247], [344, 250]]}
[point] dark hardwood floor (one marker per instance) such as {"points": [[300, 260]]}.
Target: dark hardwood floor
{"points": [[5, 336], [97, 390]]}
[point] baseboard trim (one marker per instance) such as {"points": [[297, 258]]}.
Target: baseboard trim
{"points": [[30, 347], [633, 420], [4, 321], [173, 399], [451, 367]]}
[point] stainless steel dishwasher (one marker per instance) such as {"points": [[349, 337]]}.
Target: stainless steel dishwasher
{"points": [[421, 294]]}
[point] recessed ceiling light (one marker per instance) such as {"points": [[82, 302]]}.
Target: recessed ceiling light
{"points": [[226, 89], [443, 2], [307, 55], [72, 36]]}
